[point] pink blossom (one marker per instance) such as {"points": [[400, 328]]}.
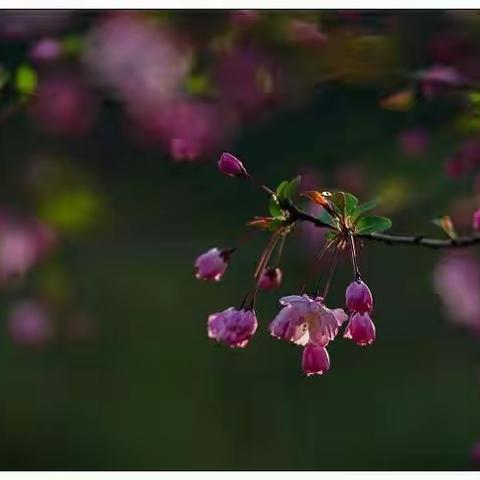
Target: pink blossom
{"points": [[476, 221], [360, 329], [244, 18], [413, 141], [306, 320], [144, 61], [232, 327], [270, 279], [439, 78], [231, 165], [358, 297], [23, 24], [306, 33], [212, 264], [315, 360], [29, 324], [457, 282], [45, 50], [64, 106], [248, 80]]}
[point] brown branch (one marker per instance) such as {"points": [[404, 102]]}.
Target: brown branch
{"points": [[435, 243]]}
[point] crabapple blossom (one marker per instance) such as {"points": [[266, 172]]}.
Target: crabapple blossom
{"points": [[212, 264], [360, 329], [232, 326], [358, 297], [315, 360], [231, 166], [270, 279]]}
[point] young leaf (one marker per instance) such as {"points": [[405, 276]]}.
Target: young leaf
{"points": [[446, 224], [372, 224], [363, 208], [316, 197], [351, 203], [280, 189], [274, 208], [291, 187], [325, 217]]}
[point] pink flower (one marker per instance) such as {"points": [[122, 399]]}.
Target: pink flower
{"points": [[360, 329], [64, 106], [306, 320], [29, 324], [212, 264], [476, 221], [45, 50], [231, 165], [440, 78], [457, 282], [306, 33], [232, 327], [270, 279], [358, 297], [315, 360], [244, 18], [413, 141]]}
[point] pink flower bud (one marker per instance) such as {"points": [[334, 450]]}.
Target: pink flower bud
{"points": [[270, 279], [476, 221], [360, 329], [358, 297], [212, 264], [231, 166], [232, 327], [315, 360]]}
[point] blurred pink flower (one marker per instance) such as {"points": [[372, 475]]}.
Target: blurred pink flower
{"points": [[439, 78], [244, 18], [413, 141], [270, 278], [45, 50], [350, 178], [23, 242], [29, 324], [63, 105], [305, 33], [457, 282], [144, 62], [247, 79]]}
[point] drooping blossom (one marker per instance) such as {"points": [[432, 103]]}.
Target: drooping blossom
{"points": [[64, 105], [306, 320], [232, 326], [360, 329], [231, 165], [413, 141], [440, 78], [29, 324], [358, 297], [315, 360], [45, 50], [212, 264], [270, 279], [457, 282]]}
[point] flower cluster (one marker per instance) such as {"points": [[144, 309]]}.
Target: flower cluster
{"points": [[304, 320]]}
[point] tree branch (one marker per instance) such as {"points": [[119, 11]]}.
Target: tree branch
{"points": [[435, 243]]}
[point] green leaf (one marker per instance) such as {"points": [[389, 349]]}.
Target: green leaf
{"points": [[372, 224], [274, 208], [287, 189], [363, 208], [329, 236], [325, 217], [26, 80], [351, 202]]}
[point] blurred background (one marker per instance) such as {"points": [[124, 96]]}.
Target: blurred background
{"points": [[111, 123]]}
